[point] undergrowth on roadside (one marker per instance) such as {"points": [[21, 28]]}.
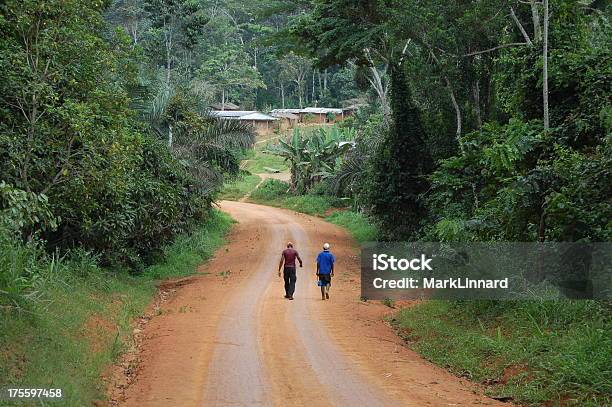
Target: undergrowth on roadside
{"points": [[236, 189], [558, 352], [276, 193], [319, 203], [356, 223], [63, 319], [258, 161]]}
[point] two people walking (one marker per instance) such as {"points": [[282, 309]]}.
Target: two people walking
{"points": [[325, 269]]}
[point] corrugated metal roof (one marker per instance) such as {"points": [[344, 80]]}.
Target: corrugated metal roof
{"points": [[226, 106], [286, 111], [285, 115], [258, 117], [231, 113], [321, 110]]}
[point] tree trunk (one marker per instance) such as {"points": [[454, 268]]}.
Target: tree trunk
{"points": [[458, 130], [381, 90], [535, 17], [132, 28], [457, 115], [476, 92], [325, 80], [312, 97], [282, 89], [545, 68], [170, 136], [520, 26], [301, 87], [168, 43]]}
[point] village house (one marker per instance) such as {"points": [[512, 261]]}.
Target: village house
{"points": [[262, 123], [319, 114], [231, 114], [350, 110], [286, 120]]}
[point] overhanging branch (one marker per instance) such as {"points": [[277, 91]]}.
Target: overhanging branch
{"points": [[520, 26], [511, 44]]}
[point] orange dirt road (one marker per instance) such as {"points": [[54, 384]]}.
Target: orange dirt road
{"points": [[227, 337]]}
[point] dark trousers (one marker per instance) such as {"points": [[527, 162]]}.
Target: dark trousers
{"points": [[290, 279]]}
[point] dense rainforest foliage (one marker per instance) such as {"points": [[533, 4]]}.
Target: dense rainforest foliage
{"points": [[92, 90], [106, 144], [96, 151], [499, 122]]}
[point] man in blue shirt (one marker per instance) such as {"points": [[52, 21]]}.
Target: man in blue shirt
{"points": [[325, 270]]}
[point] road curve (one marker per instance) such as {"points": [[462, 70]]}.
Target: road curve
{"points": [[240, 343]]}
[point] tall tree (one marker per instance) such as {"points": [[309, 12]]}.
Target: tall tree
{"points": [[229, 70], [399, 167], [333, 34], [545, 68]]}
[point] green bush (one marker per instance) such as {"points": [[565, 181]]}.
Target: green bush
{"points": [[322, 188], [276, 193], [24, 213], [347, 122], [515, 183], [309, 118], [182, 257], [558, 350], [84, 172], [64, 319], [356, 223], [239, 187], [310, 204], [270, 190]]}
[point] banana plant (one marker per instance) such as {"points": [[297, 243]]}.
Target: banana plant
{"points": [[292, 150], [310, 158]]}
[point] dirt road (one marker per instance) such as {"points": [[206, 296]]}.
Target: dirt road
{"points": [[229, 338]]}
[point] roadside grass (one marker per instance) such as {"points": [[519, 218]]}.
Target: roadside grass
{"points": [[236, 189], [356, 223], [74, 318], [535, 352], [188, 251], [276, 193], [258, 161]]}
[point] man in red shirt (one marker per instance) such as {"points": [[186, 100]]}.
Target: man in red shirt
{"points": [[288, 258]]}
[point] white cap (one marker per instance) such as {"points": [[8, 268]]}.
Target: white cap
{"points": [[325, 246]]}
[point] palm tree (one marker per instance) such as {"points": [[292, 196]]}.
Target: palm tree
{"points": [[206, 145], [210, 150], [354, 163]]}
